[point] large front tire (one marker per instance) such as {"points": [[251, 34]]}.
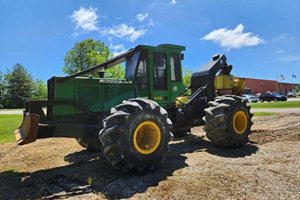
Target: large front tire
{"points": [[136, 134], [228, 121]]}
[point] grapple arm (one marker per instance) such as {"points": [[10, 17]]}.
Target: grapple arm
{"points": [[206, 75]]}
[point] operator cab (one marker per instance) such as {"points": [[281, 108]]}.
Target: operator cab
{"points": [[156, 72]]}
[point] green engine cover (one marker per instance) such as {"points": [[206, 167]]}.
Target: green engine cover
{"points": [[97, 95]]}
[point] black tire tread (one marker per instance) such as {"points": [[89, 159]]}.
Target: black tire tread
{"points": [[217, 121], [115, 135]]}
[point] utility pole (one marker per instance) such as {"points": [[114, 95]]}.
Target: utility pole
{"points": [[292, 82], [282, 78]]}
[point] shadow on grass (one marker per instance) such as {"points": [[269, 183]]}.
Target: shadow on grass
{"points": [[92, 173]]}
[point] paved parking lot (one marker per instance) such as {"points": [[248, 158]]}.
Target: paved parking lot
{"points": [[6, 112], [294, 99]]}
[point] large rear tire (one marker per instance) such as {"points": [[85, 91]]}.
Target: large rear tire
{"points": [[228, 121], [136, 134]]}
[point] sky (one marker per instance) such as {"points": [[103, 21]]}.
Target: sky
{"points": [[261, 39]]}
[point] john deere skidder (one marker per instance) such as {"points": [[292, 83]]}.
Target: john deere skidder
{"points": [[134, 118]]}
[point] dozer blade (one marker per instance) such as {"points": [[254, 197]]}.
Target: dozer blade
{"points": [[27, 132]]}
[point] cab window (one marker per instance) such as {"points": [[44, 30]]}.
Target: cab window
{"points": [[160, 71], [141, 72], [175, 68]]}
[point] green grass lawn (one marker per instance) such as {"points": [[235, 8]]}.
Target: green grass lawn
{"points": [[8, 123], [260, 114], [278, 104]]}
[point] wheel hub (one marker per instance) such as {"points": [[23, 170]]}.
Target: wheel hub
{"points": [[240, 122], [146, 137]]}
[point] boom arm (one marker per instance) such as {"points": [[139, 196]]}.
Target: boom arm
{"points": [[206, 75], [224, 83]]}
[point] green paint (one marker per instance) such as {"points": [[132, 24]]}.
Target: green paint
{"points": [[100, 95]]}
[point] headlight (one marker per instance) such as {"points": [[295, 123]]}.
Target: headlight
{"points": [[179, 109]]}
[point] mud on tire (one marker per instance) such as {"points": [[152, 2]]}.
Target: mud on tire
{"points": [[228, 121], [136, 134]]}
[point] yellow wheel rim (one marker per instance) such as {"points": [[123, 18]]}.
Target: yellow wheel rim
{"points": [[240, 122], [146, 137]]}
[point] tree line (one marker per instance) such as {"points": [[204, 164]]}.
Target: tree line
{"points": [[18, 85]]}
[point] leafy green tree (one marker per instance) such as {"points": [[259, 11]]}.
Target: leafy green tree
{"points": [[298, 88], [115, 72], [40, 91], [186, 78], [88, 53], [85, 54], [19, 85], [186, 75], [2, 85]]}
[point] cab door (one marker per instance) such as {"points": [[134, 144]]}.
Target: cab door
{"points": [[166, 77], [160, 77], [176, 85]]}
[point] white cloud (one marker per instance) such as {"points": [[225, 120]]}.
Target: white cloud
{"points": [[280, 38], [119, 18], [280, 51], [151, 22], [291, 58], [85, 19], [123, 31], [152, 5], [173, 2], [117, 49], [233, 38], [141, 17]]}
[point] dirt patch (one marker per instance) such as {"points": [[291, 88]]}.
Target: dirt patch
{"points": [[266, 168], [279, 127]]}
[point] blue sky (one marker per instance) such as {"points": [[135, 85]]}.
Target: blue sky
{"points": [[261, 39]]}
